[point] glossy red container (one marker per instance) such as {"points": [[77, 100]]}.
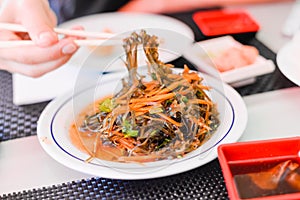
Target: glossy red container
{"points": [[223, 22], [238, 159]]}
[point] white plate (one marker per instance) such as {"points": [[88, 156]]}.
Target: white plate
{"points": [[288, 62], [202, 52], [55, 120], [175, 36]]}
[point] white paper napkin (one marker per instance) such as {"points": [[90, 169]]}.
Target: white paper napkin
{"points": [[27, 90]]}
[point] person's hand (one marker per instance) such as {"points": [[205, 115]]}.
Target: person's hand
{"points": [[48, 53]]}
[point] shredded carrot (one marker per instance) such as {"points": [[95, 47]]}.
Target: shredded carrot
{"points": [[155, 98], [171, 87], [169, 119], [175, 102]]}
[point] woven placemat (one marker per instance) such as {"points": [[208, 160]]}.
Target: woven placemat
{"points": [[16, 121], [205, 182]]}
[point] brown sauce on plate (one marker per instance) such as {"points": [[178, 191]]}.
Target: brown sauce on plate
{"points": [[85, 141]]}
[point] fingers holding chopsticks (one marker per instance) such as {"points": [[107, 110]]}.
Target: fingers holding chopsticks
{"points": [[34, 54], [45, 52], [39, 21], [31, 38], [33, 60]]}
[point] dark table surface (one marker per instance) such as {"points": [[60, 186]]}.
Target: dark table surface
{"points": [[205, 182]]}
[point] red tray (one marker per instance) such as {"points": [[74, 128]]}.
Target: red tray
{"points": [[222, 22], [246, 157]]}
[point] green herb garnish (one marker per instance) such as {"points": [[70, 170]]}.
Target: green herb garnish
{"points": [[127, 129], [106, 105]]}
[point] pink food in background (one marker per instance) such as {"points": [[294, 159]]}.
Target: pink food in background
{"points": [[236, 57]]}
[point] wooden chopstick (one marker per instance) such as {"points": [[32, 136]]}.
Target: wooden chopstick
{"points": [[80, 33], [103, 39], [24, 43]]}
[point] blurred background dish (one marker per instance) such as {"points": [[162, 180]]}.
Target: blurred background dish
{"points": [[215, 22], [226, 58], [288, 59]]}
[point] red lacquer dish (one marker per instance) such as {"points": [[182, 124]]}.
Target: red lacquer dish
{"points": [[262, 170]]}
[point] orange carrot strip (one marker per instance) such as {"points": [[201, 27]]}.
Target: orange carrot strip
{"points": [[172, 86], [154, 98], [169, 119], [151, 85], [191, 77], [203, 87], [154, 92], [185, 69], [142, 104], [144, 109], [126, 143]]}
